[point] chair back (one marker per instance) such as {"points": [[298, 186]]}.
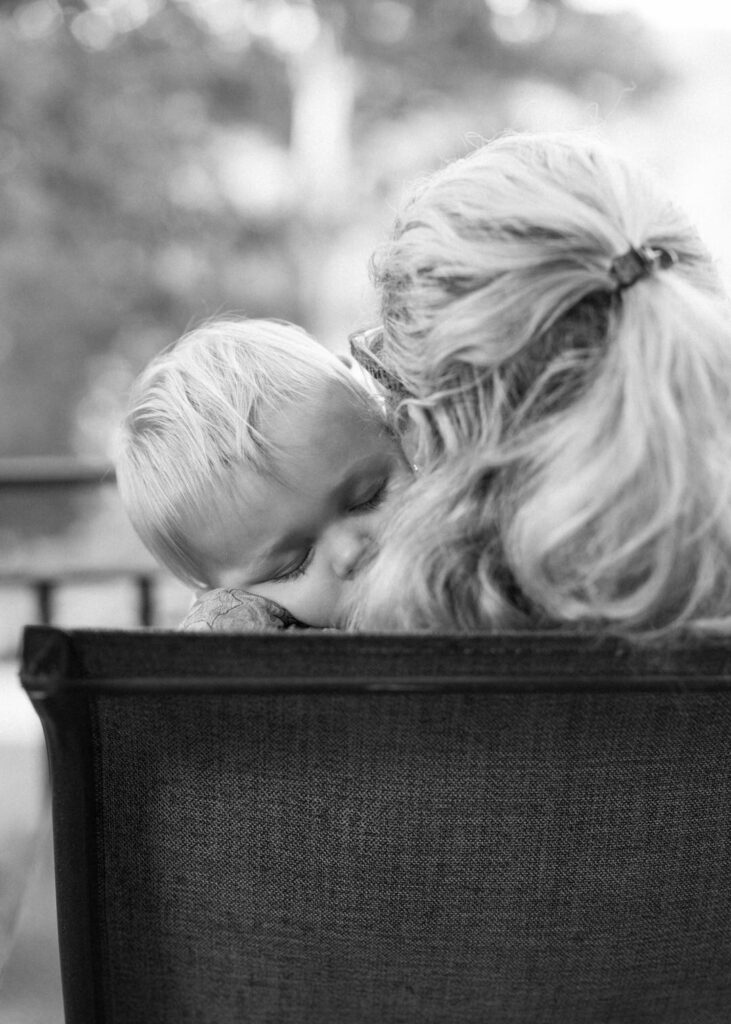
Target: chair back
{"points": [[313, 828]]}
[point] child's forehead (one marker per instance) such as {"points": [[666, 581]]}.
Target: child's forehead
{"points": [[325, 434], [351, 394], [333, 404]]}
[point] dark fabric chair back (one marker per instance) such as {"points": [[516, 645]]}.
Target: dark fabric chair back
{"points": [[330, 829]]}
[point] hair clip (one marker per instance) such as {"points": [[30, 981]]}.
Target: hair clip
{"points": [[638, 263]]}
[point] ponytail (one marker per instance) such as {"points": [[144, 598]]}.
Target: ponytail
{"points": [[622, 513]]}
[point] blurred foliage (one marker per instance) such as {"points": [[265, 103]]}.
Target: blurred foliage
{"points": [[416, 50], [165, 160], [109, 227]]}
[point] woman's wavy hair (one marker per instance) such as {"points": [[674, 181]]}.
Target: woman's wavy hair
{"points": [[572, 438]]}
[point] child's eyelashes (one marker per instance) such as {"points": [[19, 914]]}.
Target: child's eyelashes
{"points": [[373, 500], [297, 570]]}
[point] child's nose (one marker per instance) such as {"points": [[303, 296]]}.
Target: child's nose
{"points": [[349, 546]]}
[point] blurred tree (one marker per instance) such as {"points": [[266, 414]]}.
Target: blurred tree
{"points": [[164, 160], [412, 50], [112, 213]]}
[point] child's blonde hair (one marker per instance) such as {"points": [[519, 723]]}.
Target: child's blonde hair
{"points": [[573, 437], [198, 412]]}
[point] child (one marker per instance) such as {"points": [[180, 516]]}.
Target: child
{"points": [[253, 464], [561, 348]]}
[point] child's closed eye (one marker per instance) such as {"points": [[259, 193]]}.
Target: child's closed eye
{"points": [[373, 499], [296, 570]]}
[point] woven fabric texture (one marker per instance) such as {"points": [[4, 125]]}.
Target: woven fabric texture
{"points": [[464, 858]]}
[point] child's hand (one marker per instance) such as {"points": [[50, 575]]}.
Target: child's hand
{"points": [[236, 611]]}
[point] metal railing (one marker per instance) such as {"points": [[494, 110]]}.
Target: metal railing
{"points": [[69, 473], [36, 471]]}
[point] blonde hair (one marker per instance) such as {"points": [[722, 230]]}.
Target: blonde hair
{"points": [[198, 411], [573, 439]]}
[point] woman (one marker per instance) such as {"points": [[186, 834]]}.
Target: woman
{"points": [[557, 348]]}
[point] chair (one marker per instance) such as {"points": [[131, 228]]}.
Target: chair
{"points": [[312, 828]]}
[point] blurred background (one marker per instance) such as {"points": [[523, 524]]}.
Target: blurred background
{"points": [[162, 161]]}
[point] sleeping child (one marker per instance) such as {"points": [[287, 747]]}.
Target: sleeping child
{"points": [[254, 465]]}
